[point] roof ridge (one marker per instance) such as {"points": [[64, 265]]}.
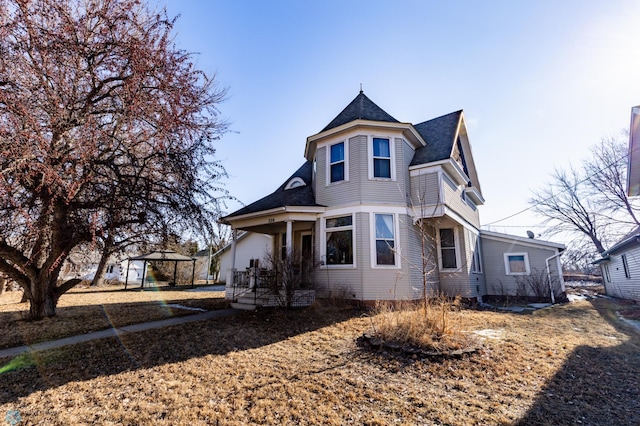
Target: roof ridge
{"points": [[360, 108]]}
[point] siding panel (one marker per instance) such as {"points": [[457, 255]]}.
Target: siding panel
{"points": [[497, 280], [620, 285]]}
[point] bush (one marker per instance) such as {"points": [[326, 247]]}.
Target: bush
{"points": [[435, 325]]}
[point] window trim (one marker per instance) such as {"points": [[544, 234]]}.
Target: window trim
{"points": [[392, 157], [507, 269], [476, 256], [345, 161], [396, 242], [625, 266], [456, 246], [323, 245]]}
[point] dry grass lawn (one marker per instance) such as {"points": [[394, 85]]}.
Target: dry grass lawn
{"points": [[570, 364]]}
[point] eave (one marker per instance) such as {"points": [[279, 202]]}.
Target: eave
{"points": [[407, 129]]}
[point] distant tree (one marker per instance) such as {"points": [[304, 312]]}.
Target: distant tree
{"points": [[106, 131], [590, 202]]}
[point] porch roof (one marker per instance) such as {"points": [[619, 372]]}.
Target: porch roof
{"points": [[296, 198]]}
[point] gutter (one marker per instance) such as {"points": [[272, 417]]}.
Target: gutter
{"points": [[553, 298]]}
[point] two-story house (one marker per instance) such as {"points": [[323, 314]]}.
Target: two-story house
{"points": [[386, 210]]}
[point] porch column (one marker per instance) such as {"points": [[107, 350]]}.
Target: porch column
{"points": [[289, 238], [234, 235]]}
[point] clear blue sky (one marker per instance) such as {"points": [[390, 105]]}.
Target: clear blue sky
{"points": [[539, 82]]}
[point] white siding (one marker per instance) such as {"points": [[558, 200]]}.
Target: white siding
{"points": [[620, 285], [252, 246]]}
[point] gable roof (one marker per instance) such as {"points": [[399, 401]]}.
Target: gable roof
{"points": [[361, 108], [439, 134], [631, 239], [281, 197]]}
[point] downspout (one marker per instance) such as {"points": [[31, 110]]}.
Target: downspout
{"points": [[553, 297]]}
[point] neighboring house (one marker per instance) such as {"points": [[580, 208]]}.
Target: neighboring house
{"points": [[248, 246], [633, 165], [133, 268], [84, 264], [620, 267], [378, 205]]}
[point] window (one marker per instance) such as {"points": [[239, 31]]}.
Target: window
{"points": [[607, 278], [625, 265], [336, 163], [476, 261], [516, 264], [385, 239], [381, 158], [448, 256], [296, 182], [339, 238]]}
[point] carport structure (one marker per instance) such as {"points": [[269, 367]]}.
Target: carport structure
{"points": [[162, 256]]}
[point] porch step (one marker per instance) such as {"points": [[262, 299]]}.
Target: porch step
{"points": [[243, 306]]}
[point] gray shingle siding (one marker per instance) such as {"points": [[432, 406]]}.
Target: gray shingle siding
{"points": [[497, 280]]}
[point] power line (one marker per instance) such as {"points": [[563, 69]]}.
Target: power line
{"points": [[564, 190]]}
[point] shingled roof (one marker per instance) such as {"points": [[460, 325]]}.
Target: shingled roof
{"points": [[361, 108], [281, 197], [439, 134]]}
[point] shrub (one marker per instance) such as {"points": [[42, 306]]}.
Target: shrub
{"points": [[436, 325]]}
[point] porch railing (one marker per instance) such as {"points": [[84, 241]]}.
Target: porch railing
{"points": [[260, 283]]}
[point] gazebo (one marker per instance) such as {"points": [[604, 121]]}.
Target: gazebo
{"points": [[162, 256]]}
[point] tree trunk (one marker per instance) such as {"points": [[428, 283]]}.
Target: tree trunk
{"points": [[43, 302], [98, 278], [45, 295]]}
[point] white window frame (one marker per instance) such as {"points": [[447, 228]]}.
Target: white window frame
{"points": [[345, 161], [392, 157], [456, 244], [396, 242], [323, 236], [607, 277], [476, 258], [625, 265], [507, 268]]}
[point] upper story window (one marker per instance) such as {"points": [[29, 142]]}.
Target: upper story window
{"points": [[337, 163], [296, 182], [381, 158]]}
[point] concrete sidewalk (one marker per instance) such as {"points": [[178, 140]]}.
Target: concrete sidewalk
{"points": [[134, 328]]}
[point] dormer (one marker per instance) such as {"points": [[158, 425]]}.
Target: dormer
{"points": [[447, 146]]}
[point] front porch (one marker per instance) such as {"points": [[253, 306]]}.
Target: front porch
{"points": [[285, 275], [255, 287]]}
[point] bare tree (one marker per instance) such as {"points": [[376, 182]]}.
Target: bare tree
{"points": [[568, 206], [106, 129], [590, 202], [606, 173]]}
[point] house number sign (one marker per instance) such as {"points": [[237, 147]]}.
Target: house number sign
{"points": [[271, 220]]}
